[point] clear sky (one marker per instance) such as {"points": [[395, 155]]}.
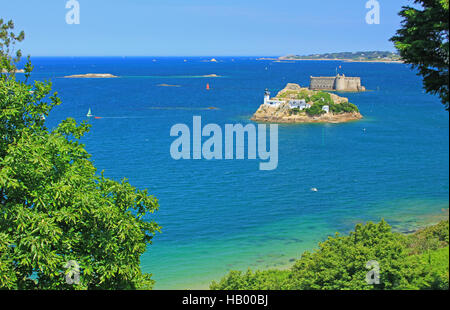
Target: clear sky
{"points": [[201, 27]]}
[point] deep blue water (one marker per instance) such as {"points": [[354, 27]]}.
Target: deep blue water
{"points": [[222, 215]]}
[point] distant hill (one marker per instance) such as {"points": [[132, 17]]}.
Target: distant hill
{"points": [[384, 56]]}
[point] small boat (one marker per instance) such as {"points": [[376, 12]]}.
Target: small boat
{"points": [[207, 86], [89, 114], [314, 189]]}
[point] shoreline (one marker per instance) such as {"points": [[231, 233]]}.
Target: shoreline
{"points": [[324, 119], [434, 218]]}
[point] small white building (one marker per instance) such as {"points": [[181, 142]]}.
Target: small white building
{"points": [[299, 104], [293, 103], [271, 102], [326, 108]]}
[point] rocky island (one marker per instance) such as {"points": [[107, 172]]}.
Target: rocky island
{"points": [[91, 75], [295, 104]]}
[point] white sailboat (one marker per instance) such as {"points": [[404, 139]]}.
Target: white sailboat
{"points": [[89, 114]]}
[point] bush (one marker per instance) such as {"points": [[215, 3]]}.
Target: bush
{"points": [[322, 98], [259, 280], [315, 110], [344, 107], [433, 269], [304, 94], [340, 261], [295, 111], [429, 238], [340, 264], [288, 94]]}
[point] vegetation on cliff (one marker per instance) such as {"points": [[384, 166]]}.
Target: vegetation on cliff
{"points": [[57, 215], [416, 261], [320, 99]]}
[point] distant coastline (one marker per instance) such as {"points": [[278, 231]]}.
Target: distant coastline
{"points": [[343, 59], [368, 56]]}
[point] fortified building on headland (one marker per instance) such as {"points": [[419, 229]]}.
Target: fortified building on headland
{"points": [[337, 83]]}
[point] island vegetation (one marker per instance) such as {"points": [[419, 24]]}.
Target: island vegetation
{"points": [[406, 261]]}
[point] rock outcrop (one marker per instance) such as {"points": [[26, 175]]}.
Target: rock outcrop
{"points": [[91, 75]]}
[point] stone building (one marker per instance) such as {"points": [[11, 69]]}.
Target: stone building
{"points": [[337, 83]]}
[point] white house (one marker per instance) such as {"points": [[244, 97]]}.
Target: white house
{"points": [[299, 104], [326, 108], [293, 103]]}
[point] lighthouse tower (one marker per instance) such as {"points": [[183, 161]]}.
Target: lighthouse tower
{"points": [[266, 96]]}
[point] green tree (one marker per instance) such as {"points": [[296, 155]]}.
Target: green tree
{"points": [[340, 262], [54, 207], [315, 109], [423, 42]]}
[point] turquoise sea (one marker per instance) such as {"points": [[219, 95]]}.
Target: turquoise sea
{"points": [[221, 215]]}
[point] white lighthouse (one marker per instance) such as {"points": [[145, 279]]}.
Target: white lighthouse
{"points": [[266, 96]]}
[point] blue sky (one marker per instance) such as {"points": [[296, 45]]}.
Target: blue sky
{"points": [[201, 27]]}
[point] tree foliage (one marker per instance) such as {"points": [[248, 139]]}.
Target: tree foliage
{"points": [[54, 207], [423, 42], [339, 263], [8, 52], [258, 280]]}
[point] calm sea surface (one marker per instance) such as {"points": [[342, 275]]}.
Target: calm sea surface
{"points": [[222, 215]]}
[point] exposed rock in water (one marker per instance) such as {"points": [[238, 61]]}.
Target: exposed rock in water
{"points": [[168, 85], [91, 75]]}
